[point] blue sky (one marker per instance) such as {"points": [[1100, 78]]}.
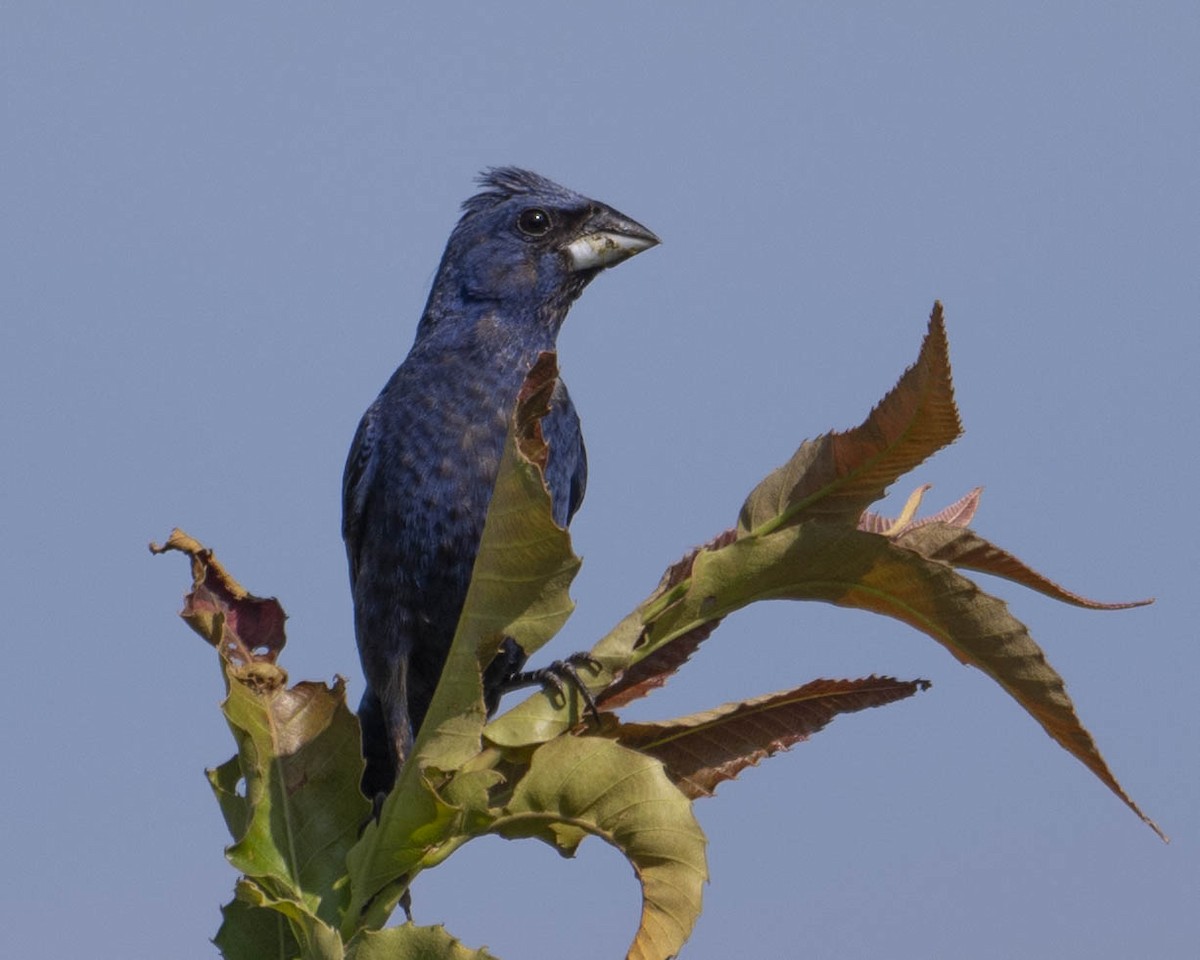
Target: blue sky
{"points": [[218, 228]]}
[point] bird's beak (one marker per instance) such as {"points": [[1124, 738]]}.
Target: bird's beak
{"points": [[608, 238]]}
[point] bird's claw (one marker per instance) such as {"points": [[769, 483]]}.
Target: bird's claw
{"points": [[557, 676]]}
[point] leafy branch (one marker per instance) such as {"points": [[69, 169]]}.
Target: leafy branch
{"points": [[316, 883]]}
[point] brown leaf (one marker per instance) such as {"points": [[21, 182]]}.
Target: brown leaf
{"points": [[652, 672], [838, 475], [705, 749], [850, 568], [245, 629], [961, 547], [533, 403]]}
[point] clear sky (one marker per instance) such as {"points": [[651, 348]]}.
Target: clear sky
{"points": [[218, 227]]}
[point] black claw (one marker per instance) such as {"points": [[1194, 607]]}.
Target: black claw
{"points": [[556, 675]]}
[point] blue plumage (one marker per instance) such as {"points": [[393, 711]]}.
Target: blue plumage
{"points": [[421, 469]]}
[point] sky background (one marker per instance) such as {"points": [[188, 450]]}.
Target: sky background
{"points": [[218, 227]]}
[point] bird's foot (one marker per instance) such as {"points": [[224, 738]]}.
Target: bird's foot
{"points": [[557, 676]]}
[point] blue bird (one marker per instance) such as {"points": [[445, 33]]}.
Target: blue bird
{"points": [[421, 469]]}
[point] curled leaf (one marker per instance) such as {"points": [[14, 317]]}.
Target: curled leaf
{"points": [[589, 785], [244, 628]]}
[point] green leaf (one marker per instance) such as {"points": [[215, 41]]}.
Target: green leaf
{"points": [[409, 942], [850, 568], [254, 933], [314, 939], [414, 822], [298, 750], [224, 781], [588, 785]]}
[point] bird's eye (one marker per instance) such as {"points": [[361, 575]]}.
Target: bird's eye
{"points": [[534, 222]]}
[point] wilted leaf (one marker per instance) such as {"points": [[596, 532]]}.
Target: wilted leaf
{"points": [[589, 785], [299, 755], [703, 750], [245, 628], [838, 475]]}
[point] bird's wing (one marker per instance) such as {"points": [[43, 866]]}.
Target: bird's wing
{"points": [[567, 471], [578, 480], [356, 484]]}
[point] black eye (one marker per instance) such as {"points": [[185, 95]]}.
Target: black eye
{"points": [[534, 222]]}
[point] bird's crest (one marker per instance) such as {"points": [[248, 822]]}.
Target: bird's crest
{"points": [[504, 183]]}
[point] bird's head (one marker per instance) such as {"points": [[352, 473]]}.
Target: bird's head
{"points": [[532, 245]]}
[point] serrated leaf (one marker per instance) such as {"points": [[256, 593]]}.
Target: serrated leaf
{"points": [[640, 676], [621, 673], [961, 547], [850, 568], [958, 514], [839, 475], [705, 749], [409, 942], [589, 785]]}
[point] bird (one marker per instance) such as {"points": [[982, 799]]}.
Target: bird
{"points": [[420, 470]]}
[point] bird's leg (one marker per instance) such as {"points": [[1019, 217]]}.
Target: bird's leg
{"points": [[557, 676]]}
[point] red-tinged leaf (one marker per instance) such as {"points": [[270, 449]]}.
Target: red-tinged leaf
{"points": [[705, 749], [290, 797], [838, 475], [244, 628], [958, 514], [650, 674], [964, 548]]}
